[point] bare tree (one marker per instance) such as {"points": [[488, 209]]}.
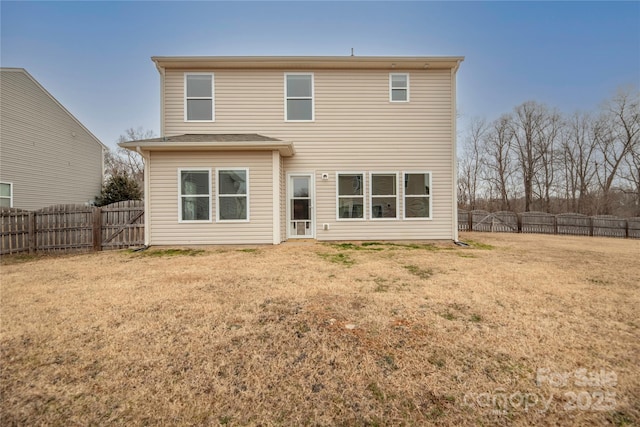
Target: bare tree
{"points": [[499, 165], [470, 164], [535, 158], [126, 161], [632, 176], [530, 122], [617, 132], [546, 146], [578, 152]]}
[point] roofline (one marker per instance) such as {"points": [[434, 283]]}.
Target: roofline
{"points": [[22, 70], [309, 62], [285, 148]]}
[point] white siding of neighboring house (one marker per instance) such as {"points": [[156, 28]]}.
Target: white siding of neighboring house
{"points": [[356, 128], [48, 156], [163, 176]]}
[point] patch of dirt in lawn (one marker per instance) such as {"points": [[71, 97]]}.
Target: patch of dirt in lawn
{"points": [[516, 329]]}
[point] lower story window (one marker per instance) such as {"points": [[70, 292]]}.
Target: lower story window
{"points": [[6, 195], [417, 195], [384, 196], [350, 196], [195, 194], [233, 194]]}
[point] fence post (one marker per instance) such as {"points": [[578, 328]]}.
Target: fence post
{"points": [[519, 220], [555, 225], [626, 228], [33, 233], [97, 229], [470, 219], [591, 226]]}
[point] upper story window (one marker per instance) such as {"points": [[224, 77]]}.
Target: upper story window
{"points": [[6, 195], [298, 97], [198, 97], [398, 87]]}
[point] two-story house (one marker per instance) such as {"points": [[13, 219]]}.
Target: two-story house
{"points": [[266, 149], [47, 157]]}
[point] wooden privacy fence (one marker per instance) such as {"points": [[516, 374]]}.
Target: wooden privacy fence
{"points": [[72, 228], [545, 223]]}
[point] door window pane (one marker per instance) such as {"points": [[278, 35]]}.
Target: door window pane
{"points": [[300, 209], [300, 187]]}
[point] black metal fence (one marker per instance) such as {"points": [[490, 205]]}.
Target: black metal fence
{"points": [[545, 223]]}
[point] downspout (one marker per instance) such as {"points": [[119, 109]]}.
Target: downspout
{"points": [[454, 153], [147, 196]]}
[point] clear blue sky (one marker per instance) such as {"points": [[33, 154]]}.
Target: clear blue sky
{"points": [[94, 56]]}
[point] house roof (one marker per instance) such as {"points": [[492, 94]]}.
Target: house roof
{"points": [[213, 142], [309, 62], [46, 92]]}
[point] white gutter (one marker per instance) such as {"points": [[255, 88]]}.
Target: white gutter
{"points": [[162, 75]]}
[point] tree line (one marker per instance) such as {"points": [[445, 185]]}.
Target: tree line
{"points": [[536, 158]]}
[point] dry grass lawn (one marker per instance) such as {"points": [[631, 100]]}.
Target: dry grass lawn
{"points": [[515, 330]]}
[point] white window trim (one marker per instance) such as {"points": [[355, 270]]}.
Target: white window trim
{"points": [[371, 195], [364, 196], [226, 221], [193, 221], [313, 98], [10, 184], [213, 97], [391, 88], [404, 197]]}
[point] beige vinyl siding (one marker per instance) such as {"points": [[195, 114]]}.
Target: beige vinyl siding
{"points": [[164, 204], [356, 128], [47, 155]]}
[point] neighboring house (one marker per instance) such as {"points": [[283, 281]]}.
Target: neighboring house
{"points": [[47, 157], [266, 149]]}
